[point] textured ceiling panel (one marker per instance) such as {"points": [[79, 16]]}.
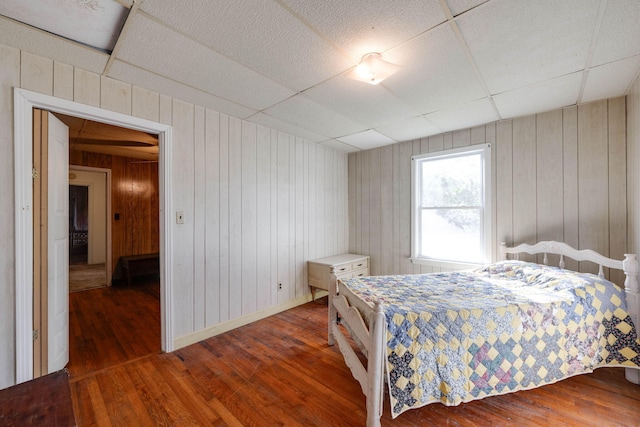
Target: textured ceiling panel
{"points": [[149, 45], [95, 23], [545, 96], [464, 116], [262, 35], [619, 33], [125, 72], [361, 102], [435, 74], [372, 26], [340, 146], [600, 85], [459, 6], [277, 124], [304, 113], [36, 41], [367, 139], [519, 42], [416, 127]]}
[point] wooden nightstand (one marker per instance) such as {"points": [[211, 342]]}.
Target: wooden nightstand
{"points": [[346, 266]]}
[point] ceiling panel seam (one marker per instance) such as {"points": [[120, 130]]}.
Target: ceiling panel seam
{"points": [[127, 24], [592, 48]]}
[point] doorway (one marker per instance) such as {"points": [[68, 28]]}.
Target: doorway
{"points": [[24, 102]]}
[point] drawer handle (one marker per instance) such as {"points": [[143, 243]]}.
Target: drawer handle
{"points": [[343, 269], [361, 274], [360, 265]]}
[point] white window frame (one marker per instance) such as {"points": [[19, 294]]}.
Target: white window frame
{"points": [[486, 212]]}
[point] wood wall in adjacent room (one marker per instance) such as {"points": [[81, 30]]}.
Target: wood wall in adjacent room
{"points": [[134, 196]]}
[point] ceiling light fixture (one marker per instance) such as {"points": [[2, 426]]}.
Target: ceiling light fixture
{"points": [[373, 69]]}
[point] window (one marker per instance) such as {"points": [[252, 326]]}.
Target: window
{"points": [[451, 206]]}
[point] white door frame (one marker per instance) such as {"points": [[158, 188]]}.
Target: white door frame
{"points": [[108, 254], [24, 101]]}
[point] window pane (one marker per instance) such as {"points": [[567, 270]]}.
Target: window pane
{"points": [[456, 181], [451, 234]]}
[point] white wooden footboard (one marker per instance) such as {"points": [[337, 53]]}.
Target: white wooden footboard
{"points": [[373, 339]]}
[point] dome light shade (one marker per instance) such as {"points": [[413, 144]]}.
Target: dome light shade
{"points": [[373, 69]]}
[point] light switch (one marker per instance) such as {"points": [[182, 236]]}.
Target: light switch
{"points": [[180, 217]]}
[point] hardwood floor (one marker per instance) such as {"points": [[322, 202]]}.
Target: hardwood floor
{"points": [[279, 371]]}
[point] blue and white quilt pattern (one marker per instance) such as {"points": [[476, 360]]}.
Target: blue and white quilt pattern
{"points": [[460, 336]]}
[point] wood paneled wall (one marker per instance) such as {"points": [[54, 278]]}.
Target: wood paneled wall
{"points": [[258, 203], [134, 197], [559, 175], [633, 165]]}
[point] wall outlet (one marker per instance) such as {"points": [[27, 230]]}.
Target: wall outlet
{"points": [[180, 217], [279, 286]]}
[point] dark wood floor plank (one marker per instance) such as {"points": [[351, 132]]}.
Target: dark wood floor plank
{"points": [[279, 371]]}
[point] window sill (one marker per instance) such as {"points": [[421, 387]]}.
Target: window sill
{"points": [[453, 265]]}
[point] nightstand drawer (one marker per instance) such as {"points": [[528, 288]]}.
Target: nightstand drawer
{"points": [[344, 266]]}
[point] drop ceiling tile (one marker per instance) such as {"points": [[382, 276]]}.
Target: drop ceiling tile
{"points": [[464, 116], [277, 124], [41, 43], [600, 85], [371, 105], [151, 46], [414, 128], [367, 139], [359, 27], [520, 42], [305, 113], [340, 146], [95, 23], [619, 35], [262, 35], [545, 96], [144, 79], [435, 74], [460, 6]]}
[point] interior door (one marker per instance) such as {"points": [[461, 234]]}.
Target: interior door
{"points": [[58, 244]]}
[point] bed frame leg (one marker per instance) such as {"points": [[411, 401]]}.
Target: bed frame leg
{"points": [[375, 367], [333, 312], [632, 291]]}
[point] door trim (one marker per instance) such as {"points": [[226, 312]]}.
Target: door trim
{"points": [[24, 101]]}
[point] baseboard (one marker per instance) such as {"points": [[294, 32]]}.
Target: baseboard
{"points": [[223, 327]]}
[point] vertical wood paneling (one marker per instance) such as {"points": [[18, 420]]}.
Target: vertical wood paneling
{"points": [[617, 183], [199, 219], [235, 217], [375, 208], [263, 218], [633, 166], [404, 206], [224, 219], [542, 164], [115, 95], [550, 216], [62, 81], [145, 104], [212, 222], [284, 213], [257, 203], [524, 181], [9, 78], [570, 179], [36, 73], [183, 179], [593, 165], [386, 206], [353, 247], [86, 87], [249, 257]]}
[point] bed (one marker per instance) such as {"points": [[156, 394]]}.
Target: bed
{"points": [[460, 336]]}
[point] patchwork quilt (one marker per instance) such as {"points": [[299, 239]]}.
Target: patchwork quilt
{"points": [[461, 336]]}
